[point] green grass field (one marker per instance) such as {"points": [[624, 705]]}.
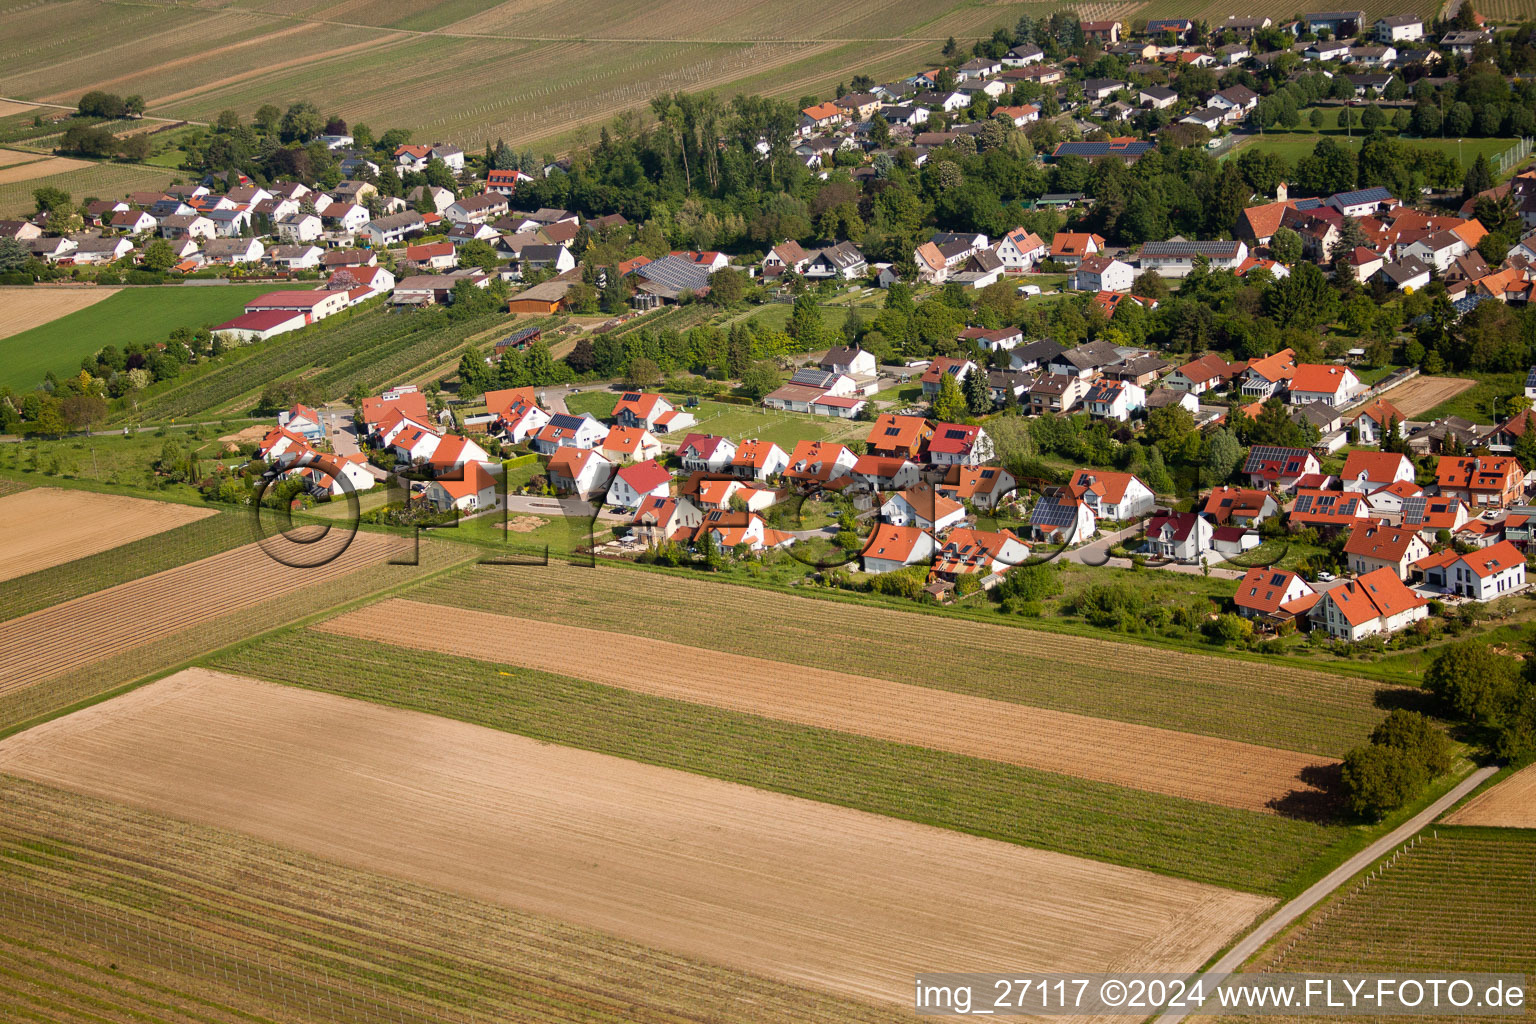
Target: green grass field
{"points": [[1240, 849], [132, 316], [1464, 899], [1483, 402], [1282, 706], [1293, 145]]}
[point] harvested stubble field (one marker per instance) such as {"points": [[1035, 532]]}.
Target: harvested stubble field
{"points": [[1137, 756], [1260, 853], [22, 309], [68, 652], [1424, 393], [1463, 899], [118, 915], [1296, 709], [1510, 804], [90, 573], [46, 526], [756, 881]]}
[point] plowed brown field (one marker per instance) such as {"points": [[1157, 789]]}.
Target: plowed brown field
{"points": [[1141, 757], [799, 891], [95, 627], [47, 526], [1510, 804], [1424, 393], [22, 309]]}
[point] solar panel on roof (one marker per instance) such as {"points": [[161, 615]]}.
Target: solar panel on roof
{"points": [[955, 435], [1048, 513], [1261, 454], [565, 421], [892, 431]]}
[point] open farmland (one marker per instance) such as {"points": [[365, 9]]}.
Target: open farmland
{"points": [[88, 573], [1421, 394], [40, 169], [22, 309], [1293, 709], [1510, 804], [129, 316], [1260, 853], [798, 891], [1157, 760], [91, 181], [109, 914], [45, 526], [1461, 900], [530, 74]]}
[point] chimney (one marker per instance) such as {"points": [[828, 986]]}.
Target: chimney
{"points": [[1282, 193]]}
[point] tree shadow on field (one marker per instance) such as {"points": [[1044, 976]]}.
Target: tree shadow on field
{"points": [[1321, 803], [1408, 698]]}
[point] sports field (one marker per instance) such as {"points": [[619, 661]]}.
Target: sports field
{"points": [[1509, 804], [45, 526], [129, 316], [23, 308], [1157, 760], [795, 890]]}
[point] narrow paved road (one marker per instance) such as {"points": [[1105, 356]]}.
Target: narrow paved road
{"points": [[1250, 943]]}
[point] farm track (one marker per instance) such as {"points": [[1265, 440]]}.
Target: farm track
{"points": [[755, 881], [99, 626], [47, 526], [1296, 709], [1139, 757], [157, 921]]}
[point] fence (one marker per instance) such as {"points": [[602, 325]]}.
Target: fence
{"points": [[250, 987], [1513, 155]]}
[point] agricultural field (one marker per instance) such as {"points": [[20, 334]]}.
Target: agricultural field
{"points": [[128, 316], [1482, 401], [1462, 899], [1264, 854], [64, 653], [45, 526], [91, 181], [217, 927], [1293, 145], [23, 308], [1140, 757], [1509, 804], [1304, 710], [534, 76], [789, 889], [1422, 394]]}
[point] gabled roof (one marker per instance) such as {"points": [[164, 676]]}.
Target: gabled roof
{"points": [[892, 543], [1486, 472], [892, 431], [953, 438], [1110, 487], [1317, 506], [1264, 590], [643, 477], [1374, 465], [928, 503], [1276, 367], [1379, 539], [570, 462], [1372, 596], [1319, 378], [704, 445], [1381, 411]]}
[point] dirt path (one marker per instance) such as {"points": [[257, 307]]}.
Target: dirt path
{"points": [[1510, 804], [47, 526], [799, 891], [1137, 756], [22, 309]]}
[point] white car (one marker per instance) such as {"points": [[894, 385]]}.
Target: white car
{"points": [[1028, 289], [1325, 577]]}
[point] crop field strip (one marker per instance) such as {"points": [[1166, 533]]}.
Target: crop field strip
{"points": [[183, 912], [143, 557], [1296, 709], [95, 180], [24, 308], [1139, 757], [46, 526], [70, 652], [1244, 850], [1462, 900], [1511, 803], [752, 880]]}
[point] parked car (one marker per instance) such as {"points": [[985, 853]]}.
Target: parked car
{"points": [[1325, 577]]}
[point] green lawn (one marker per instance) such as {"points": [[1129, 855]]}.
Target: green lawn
{"points": [[1483, 402], [133, 315], [735, 421], [1297, 143]]}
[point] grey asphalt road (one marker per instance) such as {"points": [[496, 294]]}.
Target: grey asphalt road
{"points": [[1277, 922]]}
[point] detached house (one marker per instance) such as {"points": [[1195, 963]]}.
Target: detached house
{"points": [[1368, 472], [660, 519], [651, 411], [1378, 545], [1280, 468], [958, 444], [1373, 422], [1489, 481], [566, 431], [1115, 496], [923, 507], [1273, 594], [902, 436], [474, 491], [706, 453], [633, 484], [983, 486], [1374, 604], [977, 552], [1239, 506], [580, 471], [1482, 575], [893, 547], [758, 460], [1183, 536]]}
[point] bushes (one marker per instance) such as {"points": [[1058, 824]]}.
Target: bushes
{"points": [[1030, 583], [1405, 752], [908, 582], [1490, 692]]}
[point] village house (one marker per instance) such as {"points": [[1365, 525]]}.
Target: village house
{"points": [[660, 519], [1176, 258], [1113, 495], [473, 491], [1239, 506], [957, 444], [1279, 468], [1488, 481], [758, 460], [885, 473], [583, 472], [901, 436], [706, 453], [1116, 400], [968, 552], [1483, 574], [1210, 372], [1062, 517], [1374, 604], [566, 431], [651, 411], [821, 464], [982, 486], [924, 507], [634, 483], [1374, 420], [1103, 274], [1274, 595], [1182, 536], [892, 547], [1368, 472], [729, 529], [1376, 544], [626, 444]]}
